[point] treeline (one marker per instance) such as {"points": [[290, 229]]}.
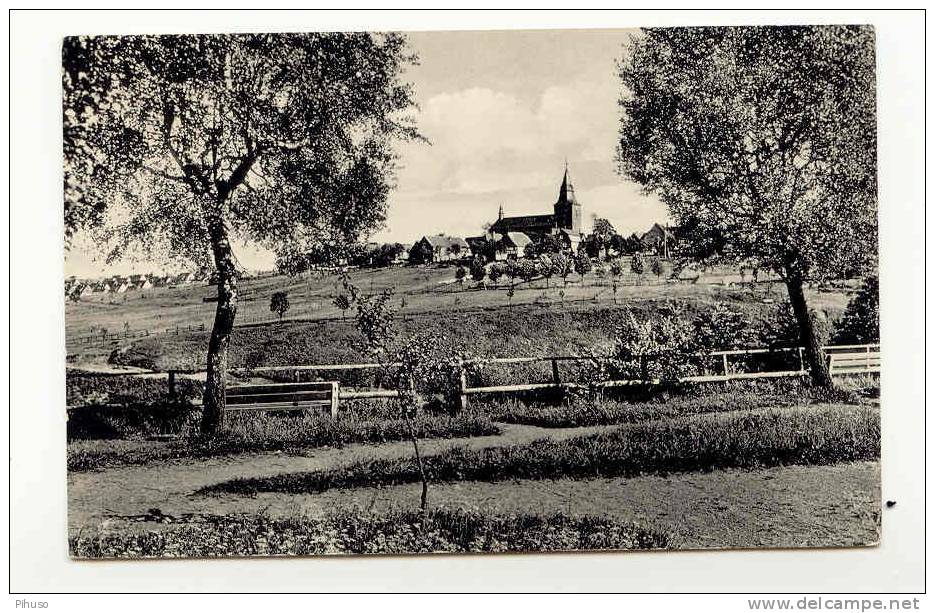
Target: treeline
{"points": [[370, 255]]}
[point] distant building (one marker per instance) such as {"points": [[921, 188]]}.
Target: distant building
{"points": [[658, 239], [565, 218], [512, 245], [442, 248]]}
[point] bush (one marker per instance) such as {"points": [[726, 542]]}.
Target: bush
{"points": [[779, 437], [358, 532], [781, 329], [657, 347], [126, 422], [861, 321], [111, 407]]}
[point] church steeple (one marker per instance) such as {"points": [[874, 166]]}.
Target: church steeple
{"points": [[566, 193], [500, 214], [567, 209]]}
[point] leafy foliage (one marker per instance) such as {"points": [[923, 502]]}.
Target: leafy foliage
{"points": [[760, 140], [285, 139], [478, 268], [582, 264], [279, 303]]}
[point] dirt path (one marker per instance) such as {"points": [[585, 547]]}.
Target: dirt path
{"points": [[93, 497], [791, 506]]}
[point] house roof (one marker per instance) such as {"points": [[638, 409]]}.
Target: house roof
{"points": [[445, 242], [656, 230], [516, 239]]}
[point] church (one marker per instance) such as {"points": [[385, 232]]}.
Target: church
{"points": [[513, 233]]}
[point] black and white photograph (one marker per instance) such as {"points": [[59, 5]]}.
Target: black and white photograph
{"points": [[471, 291]]}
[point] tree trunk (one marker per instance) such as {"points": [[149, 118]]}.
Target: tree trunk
{"points": [[425, 481], [814, 356], [216, 380]]}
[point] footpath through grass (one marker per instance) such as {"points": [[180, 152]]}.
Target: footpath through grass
{"points": [[810, 436], [440, 530]]}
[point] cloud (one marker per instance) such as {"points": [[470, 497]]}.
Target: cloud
{"points": [[491, 147]]}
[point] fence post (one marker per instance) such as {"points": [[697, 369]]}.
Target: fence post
{"points": [[801, 359], [335, 398], [171, 386], [555, 377], [726, 370], [462, 385]]}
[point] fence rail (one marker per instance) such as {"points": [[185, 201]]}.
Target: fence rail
{"points": [[843, 360]]}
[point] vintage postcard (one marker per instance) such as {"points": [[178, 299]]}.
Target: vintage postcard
{"points": [[476, 291]]}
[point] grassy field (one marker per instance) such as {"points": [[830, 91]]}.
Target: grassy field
{"points": [[425, 298], [800, 476]]}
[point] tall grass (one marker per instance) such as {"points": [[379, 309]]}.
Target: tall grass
{"points": [[647, 405], [249, 432], [818, 435], [353, 531]]}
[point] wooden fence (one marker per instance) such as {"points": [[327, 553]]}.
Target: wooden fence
{"points": [[843, 360]]}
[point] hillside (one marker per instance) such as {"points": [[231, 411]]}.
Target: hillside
{"points": [[479, 321]]}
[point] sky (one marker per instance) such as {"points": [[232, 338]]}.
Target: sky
{"points": [[503, 111]]}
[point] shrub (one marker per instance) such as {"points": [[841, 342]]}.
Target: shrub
{"points": [[496, 272], [861, 321], [657, 347], [91, 389], [646, 405], [637, 265], [279, 303], [478, 269], [780, 328], [133, 421]]}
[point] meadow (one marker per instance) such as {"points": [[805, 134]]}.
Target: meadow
{"points": [[482, 320], [551, 471]]}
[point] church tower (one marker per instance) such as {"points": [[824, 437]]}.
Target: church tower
{"points": [[567, 208]]}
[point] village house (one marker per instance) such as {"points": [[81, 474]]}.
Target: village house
{"points": [[512, 245], [657, 239], [443, 248]]}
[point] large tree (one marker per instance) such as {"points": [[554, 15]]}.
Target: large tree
{"points": [[762, 143], [178, 147]]}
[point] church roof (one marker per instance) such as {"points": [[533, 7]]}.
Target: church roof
{"points": [[534, 223]]}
